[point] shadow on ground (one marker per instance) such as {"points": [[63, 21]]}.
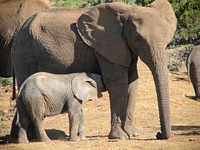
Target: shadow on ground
{"points": [[52, 134], [192, 98], [187, 130]]}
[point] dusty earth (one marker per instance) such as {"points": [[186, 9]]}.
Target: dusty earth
{"points": [[185, 117]]}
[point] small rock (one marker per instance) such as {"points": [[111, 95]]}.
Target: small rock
{"points": [[192, 139], [5, 112], [10, 118], [113, 140]]}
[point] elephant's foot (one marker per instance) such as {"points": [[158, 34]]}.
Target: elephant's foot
{"points": [[31, 134], [44, 139], [117, 133], [74, 138], [197, 98], [161, 136], [22, 137], [83, 137], [131, 130], [22, 140]]}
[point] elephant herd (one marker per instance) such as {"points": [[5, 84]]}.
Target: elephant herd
{"points": [[63, 43]]}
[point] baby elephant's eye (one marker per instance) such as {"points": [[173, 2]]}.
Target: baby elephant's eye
{"points": [[91, 83]]}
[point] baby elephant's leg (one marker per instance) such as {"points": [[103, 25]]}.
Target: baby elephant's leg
{"points": [[74, 119], [81, 125], [37, 118], [41, 134], [73, 126]]}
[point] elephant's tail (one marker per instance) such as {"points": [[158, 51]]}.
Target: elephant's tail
{"points": [[13, 86]]}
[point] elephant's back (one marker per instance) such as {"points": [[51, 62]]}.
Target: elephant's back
{"points": [[58, 34], [53, 86], [55, 22]]}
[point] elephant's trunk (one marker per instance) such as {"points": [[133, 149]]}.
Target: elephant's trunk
{"points": [[161, 82], [158, 67]]}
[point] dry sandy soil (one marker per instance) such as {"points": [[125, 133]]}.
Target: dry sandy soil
{"points": [[185, 117]]}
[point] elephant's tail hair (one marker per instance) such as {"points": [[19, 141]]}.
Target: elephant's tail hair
{"points": [[13, 86]]}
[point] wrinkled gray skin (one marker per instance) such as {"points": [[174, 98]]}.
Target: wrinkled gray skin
{"points": [[105, 39], [193, 67], [13, 14], [44, 94]]}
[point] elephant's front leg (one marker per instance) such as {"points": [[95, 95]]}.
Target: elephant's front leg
{"points": [[115, 78], [81, 125], [73, 126], [129, 126], [118, 101]]}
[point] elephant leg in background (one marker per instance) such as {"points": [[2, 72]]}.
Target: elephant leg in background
{"points": [[197, 92], [194, 74], [129, 126], [23, 123], [116, 81], [14, 128]]}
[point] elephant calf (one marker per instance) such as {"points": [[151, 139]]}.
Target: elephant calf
{"points": [[44, 94], [193, 67]]}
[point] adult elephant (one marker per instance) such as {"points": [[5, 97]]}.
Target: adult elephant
{"points": [[105, 39], [13, 13]]}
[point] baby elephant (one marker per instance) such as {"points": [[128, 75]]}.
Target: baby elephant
{"points": [[44, 94], [193, 66]]}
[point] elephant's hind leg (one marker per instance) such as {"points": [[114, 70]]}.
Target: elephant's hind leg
{"points": [[194, 75], [40, 132], [37, 121]]}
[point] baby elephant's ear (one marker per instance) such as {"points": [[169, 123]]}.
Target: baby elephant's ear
{"points": [[84, 88]]}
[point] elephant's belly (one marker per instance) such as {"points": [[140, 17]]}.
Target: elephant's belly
{"points": [[82, 59]]}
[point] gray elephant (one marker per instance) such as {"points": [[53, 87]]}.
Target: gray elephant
{"points": [[13, 13], [105, 39], [193, 68], [44, 94]]}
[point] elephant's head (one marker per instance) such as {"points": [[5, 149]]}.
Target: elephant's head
{"points": [[87, 86], [116, 31]]}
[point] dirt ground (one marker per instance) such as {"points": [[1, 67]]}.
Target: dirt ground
{"points": [[185, 118]]}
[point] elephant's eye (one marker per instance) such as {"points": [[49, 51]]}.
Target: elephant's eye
{"points": [[91, 83]]}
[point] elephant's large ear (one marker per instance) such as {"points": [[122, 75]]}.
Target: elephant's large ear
{"points": [[168, 18], [101, 28], [84, 87]]}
